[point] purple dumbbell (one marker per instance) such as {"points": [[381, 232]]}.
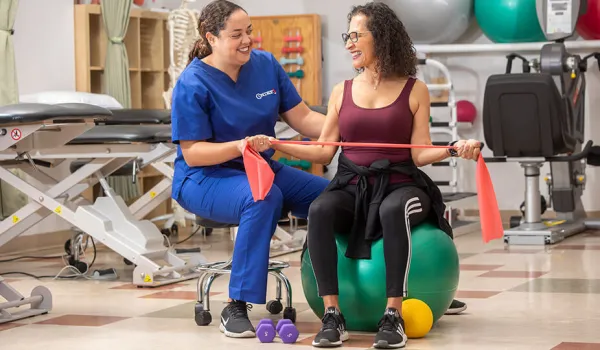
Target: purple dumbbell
{"points": [[265, 331], [288, 333]]}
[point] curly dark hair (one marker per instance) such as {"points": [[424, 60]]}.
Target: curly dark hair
{"points": [[212, 20], [394, 50]]}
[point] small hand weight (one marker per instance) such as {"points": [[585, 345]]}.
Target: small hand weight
{"points": [[297, 74], [298, 60], [265, 331]]}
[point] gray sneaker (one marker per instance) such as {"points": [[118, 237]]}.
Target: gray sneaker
{"points": [[235, 322], [333, 332], [391, 333]]}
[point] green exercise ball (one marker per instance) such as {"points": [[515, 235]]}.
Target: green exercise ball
{"points": [[509, 21], [433, 278]]}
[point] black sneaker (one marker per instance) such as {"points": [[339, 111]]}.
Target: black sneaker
{"points": [[456, 307], [235, 322], [333, 332], [391, 331]]}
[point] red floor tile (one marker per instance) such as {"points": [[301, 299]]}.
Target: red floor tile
{"points": [[82, 320], [9, 325]]}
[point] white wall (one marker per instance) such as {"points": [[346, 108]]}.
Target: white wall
{"points": [[44, 45], [44, 49]]}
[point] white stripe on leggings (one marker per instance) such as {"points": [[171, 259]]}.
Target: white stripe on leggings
{"points": [[412, 206]]}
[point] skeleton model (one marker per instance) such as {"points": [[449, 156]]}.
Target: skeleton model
{"points": [[183, 34]]}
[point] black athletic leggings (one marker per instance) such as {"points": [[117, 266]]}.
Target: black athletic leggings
{"points": [[333, 211]]}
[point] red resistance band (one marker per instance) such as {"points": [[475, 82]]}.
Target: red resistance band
{"points": [[261, 176]]}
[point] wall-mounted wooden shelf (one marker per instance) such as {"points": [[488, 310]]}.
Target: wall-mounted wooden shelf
{"points": [[147, 44]]}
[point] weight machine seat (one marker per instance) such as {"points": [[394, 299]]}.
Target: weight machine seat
{"points": [[524, 115], [22, 113], [102, 134], [139, 116]]}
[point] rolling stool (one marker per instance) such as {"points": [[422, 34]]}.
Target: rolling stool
{"points": [[213, 270]]}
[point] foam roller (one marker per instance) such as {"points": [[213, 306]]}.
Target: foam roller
{"points": [[298, 60], [298, 49], [297, 74]]}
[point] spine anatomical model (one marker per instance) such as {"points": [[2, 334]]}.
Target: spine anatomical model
{"points": [[183, 34]]}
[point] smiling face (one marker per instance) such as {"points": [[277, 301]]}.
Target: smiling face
{"points": [[234, 43], [378, 41], [360, 42]]}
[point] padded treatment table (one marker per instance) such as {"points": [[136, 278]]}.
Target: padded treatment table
{"points": [[19, 123], [119, 133], [139, 117], [54, 134], [40, 112]]}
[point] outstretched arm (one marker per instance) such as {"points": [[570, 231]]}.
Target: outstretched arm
{"points": [[330, 132], [421, 132], [466, 149]]}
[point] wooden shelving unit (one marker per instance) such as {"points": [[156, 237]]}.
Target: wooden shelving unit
{"points": [[271, 31], [147, 44]]}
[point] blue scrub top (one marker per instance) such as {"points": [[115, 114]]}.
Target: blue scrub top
{"points": [[208, 105]]}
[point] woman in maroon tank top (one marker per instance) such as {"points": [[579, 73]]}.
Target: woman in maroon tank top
{"points": [[383, 103]]}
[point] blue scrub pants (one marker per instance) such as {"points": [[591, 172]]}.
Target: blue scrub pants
{"points": [[224, 195]]}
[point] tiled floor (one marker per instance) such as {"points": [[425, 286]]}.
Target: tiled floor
{"points": [[518, 298]]}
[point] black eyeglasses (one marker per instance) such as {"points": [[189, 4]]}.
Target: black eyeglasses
{"points": [[353, 36]]}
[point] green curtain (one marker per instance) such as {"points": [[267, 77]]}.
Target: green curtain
{"points": [[12, 199], [9, 90], [115, 14]]}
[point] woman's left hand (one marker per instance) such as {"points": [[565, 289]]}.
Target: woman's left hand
{"points": [[260, 143], [468, 149]]}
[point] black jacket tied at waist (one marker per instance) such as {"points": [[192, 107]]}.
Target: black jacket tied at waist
{"points": [[367, 227]]}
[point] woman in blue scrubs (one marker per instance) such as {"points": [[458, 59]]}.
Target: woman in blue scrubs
{"points": [[229, 93]]}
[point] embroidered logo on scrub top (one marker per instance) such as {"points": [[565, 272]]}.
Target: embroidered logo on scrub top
{"points": [[266, 93]]}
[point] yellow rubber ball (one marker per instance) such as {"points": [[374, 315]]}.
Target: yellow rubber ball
{"points": [[418, 318]]}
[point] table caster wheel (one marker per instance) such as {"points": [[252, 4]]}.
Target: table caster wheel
{"points": [[274, 307]]}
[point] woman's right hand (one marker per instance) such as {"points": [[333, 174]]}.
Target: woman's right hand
{"points": [[259, 143]]}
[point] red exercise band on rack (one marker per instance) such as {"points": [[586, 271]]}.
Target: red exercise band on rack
{"points": [[261, 176]]}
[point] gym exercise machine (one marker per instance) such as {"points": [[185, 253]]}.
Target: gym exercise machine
{"points": [[533, 118]]}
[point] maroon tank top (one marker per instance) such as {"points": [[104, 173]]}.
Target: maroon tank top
{"points": [[389, 124]]}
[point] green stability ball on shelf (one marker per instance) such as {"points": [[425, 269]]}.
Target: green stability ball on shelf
{"points": [[433, 278], [509, 21]]}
